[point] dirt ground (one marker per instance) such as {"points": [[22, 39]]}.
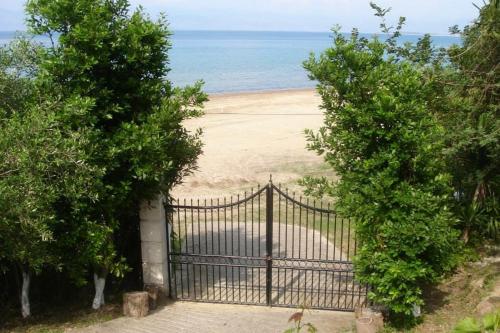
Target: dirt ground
{"points": [[459, 295], [249, 136]]}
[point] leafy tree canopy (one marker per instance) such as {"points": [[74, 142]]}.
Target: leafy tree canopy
{"points": [[119, 60], [90, 127]]}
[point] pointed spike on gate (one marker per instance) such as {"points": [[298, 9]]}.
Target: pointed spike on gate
{"points": [[270, 178]]}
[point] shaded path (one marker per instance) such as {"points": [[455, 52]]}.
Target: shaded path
{"points": [[222, 318], [303, 271]]}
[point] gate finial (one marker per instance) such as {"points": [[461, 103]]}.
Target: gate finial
{"points": [[270, 178]]}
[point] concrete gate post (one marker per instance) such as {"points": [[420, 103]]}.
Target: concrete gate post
{"points": [[153, 227]]}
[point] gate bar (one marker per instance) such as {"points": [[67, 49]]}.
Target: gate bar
{"points": [[269, 240], [167, 205]]}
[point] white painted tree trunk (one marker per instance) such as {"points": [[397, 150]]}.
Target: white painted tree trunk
{"points": [[25, 297], [99, 283], [417, 312]]}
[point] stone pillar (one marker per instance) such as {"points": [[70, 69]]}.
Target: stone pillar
{"points": [[154, 243]]}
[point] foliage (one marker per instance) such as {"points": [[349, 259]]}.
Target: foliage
{"points": [[118, 60], [298, 325], [90, 126], [18, 65], [489, 323], [385, 146], [43, 161], [469, 109]]}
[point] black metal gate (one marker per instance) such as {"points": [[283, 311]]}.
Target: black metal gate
{"points": [[267, 247]]}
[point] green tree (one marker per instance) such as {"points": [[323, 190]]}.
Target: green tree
{"points": [[18, 66], [384, 145], [119, 60], [42, 161], [469, 109]]}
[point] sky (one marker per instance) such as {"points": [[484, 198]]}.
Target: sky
{"points": [[432, 16]]}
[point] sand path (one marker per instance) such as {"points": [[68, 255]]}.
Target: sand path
{"points": [[251, 135]]}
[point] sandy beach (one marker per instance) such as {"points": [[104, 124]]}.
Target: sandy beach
{"points": [[248, 136]]}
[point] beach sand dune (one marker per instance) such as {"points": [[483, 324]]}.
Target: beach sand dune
{"points": [[249, 136]]}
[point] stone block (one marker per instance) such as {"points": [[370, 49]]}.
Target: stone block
{"points": [[136, 304], [154, 274], [153, 231], [152, 210], [153, 252]]}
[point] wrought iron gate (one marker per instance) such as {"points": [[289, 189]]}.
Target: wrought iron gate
{"points": [[267, 247]]}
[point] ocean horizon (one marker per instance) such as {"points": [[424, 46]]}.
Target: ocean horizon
{"points": [[246, 61]]}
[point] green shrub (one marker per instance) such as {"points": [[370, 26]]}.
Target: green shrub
{"points": [[384, 145]]}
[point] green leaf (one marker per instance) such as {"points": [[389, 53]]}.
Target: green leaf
{"points": [[290, 330], [468, 325], [491, 321]]}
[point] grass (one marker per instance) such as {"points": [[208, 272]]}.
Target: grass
{"points": [[338, 231], [455, 298], [59, 319]]}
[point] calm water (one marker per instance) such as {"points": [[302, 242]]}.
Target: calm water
{"points": [[231, 61]]}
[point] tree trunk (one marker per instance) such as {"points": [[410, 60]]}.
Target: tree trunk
{"points": [[136, 304], [25, 290], [480, 192], [99, 283], [465, 234]]}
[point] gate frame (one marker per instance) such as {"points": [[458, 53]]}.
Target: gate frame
{"points": [[156, 228], [155, 247], [269, 242]]}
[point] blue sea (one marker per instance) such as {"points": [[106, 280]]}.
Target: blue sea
{"points": [[238, 61]]}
